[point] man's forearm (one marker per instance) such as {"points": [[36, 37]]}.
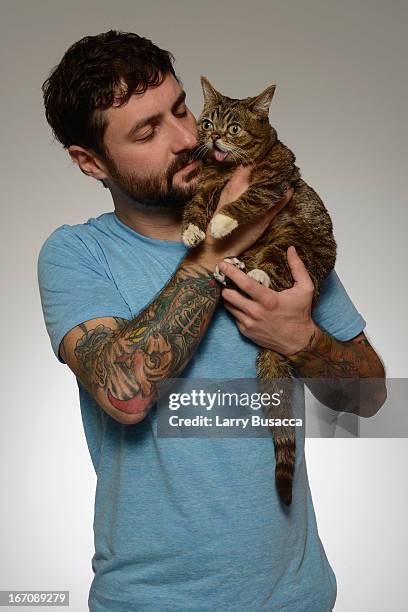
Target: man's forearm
{"points": [[157, 344], [333, 371]]}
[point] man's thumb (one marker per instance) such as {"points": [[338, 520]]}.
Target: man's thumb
{"points": [[298, 268]]}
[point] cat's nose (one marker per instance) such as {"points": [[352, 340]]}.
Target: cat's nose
{"points": [[215, 136]]}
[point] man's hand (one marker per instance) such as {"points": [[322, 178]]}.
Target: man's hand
{"points": [[278, 320], [211, 251], [281, 321]]}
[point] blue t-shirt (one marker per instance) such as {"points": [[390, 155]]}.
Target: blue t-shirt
{"points": [[184, 524]]}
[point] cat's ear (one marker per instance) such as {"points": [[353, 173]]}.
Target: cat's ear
{"points": [[210, 94], [261, 103]]}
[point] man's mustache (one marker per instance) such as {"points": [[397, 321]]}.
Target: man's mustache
{"points": [[181, 160]]}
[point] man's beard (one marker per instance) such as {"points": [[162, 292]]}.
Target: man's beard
{"points": [[157, 191]]}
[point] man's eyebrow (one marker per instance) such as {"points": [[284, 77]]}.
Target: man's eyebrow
{"points": [[157, 117]]}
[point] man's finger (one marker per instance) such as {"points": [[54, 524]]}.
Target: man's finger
{"points": [[298, 269], [238, 314], [237, 299]]}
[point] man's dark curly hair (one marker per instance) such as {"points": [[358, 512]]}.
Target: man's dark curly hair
{"points": [[95, 73]]}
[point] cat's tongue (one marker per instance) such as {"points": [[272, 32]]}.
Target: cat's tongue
{"points": [[220, 155]]}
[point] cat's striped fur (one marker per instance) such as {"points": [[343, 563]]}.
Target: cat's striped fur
{"points": [[233, 132]]}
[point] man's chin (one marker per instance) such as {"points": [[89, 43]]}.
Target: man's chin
{"points": [[174, 199], [184, 190]]}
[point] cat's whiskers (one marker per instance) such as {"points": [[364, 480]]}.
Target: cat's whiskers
{"points": [[200, 152], [240, 156], [237, 155]]}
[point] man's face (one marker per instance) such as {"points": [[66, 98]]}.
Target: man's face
{"points": [[149, 142]]}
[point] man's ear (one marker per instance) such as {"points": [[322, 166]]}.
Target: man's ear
{"points": [[88, 162]]}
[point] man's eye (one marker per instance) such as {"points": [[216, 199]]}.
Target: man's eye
{"points": [[147, 137], [182, 113]]}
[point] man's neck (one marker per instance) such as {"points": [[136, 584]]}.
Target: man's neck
{"points": [[156, 223]]}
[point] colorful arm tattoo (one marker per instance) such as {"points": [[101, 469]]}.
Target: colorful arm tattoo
{"points": [[129, 360]]}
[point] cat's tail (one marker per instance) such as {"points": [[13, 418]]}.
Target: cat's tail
{"points": [[274, 373], [285, 453]]}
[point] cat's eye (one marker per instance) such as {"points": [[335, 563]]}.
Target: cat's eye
{"points": [[206, 124], [234, 129]]}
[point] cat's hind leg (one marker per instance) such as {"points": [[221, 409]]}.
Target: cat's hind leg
{"points": [[220, 276], [261, 276], [270, 267]]}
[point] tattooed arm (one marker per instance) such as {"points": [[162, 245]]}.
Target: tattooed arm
{"points": [[120, 361], [345, 376]]}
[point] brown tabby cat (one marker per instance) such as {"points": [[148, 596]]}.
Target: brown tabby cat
{"points": [[234, 132]]}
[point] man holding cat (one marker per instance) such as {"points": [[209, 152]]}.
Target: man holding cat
{"points": [[183, 524]]}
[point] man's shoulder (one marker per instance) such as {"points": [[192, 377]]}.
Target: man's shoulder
{"points": [[74, 235]]}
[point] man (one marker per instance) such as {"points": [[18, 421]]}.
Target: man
{"points": [[180, 524]]}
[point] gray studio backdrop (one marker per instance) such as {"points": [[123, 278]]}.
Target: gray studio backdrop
{"points": [[340, 104]]}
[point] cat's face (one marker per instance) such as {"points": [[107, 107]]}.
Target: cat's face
{"points": [[234, 131]]}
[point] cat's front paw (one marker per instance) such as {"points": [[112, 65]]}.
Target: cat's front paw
{"points": [[260, 276], [220, 276], [221, 225], [192, 235]]}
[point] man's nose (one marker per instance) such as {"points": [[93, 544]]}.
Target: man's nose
{"points": [[185, 138]]}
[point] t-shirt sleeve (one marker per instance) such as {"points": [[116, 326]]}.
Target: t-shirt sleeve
{"points": [[74, 286], [335, 313]]}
